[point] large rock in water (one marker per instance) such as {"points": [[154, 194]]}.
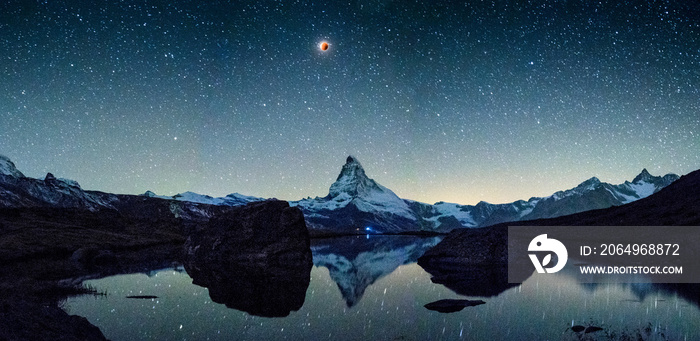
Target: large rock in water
{"points": [[471, 262], [255, 258]]}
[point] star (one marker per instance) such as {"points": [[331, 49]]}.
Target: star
{"points": [[454, 105]]}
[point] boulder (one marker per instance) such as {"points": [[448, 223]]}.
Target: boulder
{"points": [[255, 258], [471, 262]]}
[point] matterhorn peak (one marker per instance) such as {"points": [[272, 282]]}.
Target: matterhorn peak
{"points": [[8, 168], [352, 168], [352, 179]]}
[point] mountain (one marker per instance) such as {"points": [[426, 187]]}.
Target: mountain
{"points": [[16, 190], [591, 194], [8, 168], [20, 192], [356, 262], [357, 204], [233, 199]]}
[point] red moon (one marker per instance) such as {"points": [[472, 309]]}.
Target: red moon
{"points": [[323, 46]]}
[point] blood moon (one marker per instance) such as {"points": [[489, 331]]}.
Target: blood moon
{"points": [[323, 46]]}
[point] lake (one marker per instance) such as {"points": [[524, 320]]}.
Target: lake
{"points": [[369, 287]]}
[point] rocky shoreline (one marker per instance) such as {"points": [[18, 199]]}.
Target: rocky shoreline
{"points": [[46, 254]]}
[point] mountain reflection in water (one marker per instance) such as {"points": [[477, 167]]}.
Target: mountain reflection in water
{"points": [[383, 296], [356, 262]]}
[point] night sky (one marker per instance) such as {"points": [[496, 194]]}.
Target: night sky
{"points": [[454, 101]]}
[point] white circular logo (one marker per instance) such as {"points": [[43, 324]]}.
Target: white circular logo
{"points": [[542, 243]]}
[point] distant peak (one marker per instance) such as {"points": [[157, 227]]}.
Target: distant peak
{"points": [[8, 168], [49, 177], [592, 181], [643, 176]]}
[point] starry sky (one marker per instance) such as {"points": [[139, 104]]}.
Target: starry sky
{"points": [[456, 101]]}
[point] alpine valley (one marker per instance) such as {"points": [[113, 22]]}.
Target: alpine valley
{"points": [[355, 204]]}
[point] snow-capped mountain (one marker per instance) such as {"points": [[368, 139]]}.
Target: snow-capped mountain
{"points": [[589, 195], [355, 262], [16, 190], [8, 168], [356, 203], [594, 194], [233, 199], [19, 191]]}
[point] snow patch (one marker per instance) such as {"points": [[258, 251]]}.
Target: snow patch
{"points": [[642, 189], [464, 216], [233, 199], [7, 167]]}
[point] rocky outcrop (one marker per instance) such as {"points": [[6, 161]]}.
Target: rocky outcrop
{"points": [[471, 262], [255, 258]]}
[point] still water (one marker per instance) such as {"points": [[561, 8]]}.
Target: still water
{"points": [[363, 289]]}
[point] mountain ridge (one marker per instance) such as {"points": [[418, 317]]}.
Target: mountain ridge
{"points": [[474, 262], [587, 195], [355, 203]]}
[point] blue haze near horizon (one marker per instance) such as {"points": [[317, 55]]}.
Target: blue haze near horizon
{"points": [[441, 101]]}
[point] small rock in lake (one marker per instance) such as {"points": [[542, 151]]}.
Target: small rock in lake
{"points": [[592, 329], [451, 306], [578, 329], [143, 297]]}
